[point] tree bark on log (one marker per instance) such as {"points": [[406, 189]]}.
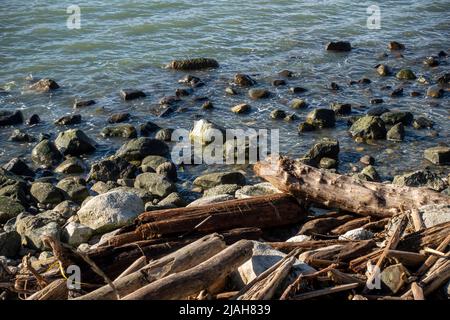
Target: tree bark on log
{"points": [[57, 290], [183, 284], [344, 192], [182, 259]]}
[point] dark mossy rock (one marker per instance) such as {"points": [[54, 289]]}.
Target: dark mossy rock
{"points": [[291, 117], [72, 165], [138, 149], [10, 243], [168, 169], [193, 64], [342, 46], [148, 127], [420, 178], [20, 136], [183, 92], [33, 120], [396, 133], [405, 74], [423, 123], [377, 111], [367, 160], [383, 70], [164, 134], [394, 45], [9, 209], [369, 173], [325, 148], [241, 108], [305, 127], [10, 118], [119, 117], [74, 142], [297, 90], [243, 80], [279, 82], [286, 73], [131, 94], [207, 105], [46, 193], [394, 117], [278, 114], [75, 188], [123, 131], [368, 127], [376, 101], [333, 86], [321, 118], [112, 170], [298, 104], [191, 81], [45, 154], [157, 184], [397, 92], [341, 108], [19, 167], [431, 61], [83, 103], [443, 80], [69, 120]]}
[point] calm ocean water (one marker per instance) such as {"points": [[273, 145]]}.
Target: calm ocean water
{"points": [[123, 44]]}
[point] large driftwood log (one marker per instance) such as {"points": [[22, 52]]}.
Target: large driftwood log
{"points": [[183, 284], [182, 259], [344, 192], [57, 290]]}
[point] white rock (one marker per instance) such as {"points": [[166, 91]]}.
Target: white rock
{"points": [[264, 257], [299, 238], [258, 189], [110, 210], [212, 199], [75, 233], [434, 214], [84, 247], [357, 234], [204, 130]]}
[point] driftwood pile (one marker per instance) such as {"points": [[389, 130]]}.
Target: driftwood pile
{"points": [[194, 253]]}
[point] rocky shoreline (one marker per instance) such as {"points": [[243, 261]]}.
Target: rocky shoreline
{"points": [[57, 194]]}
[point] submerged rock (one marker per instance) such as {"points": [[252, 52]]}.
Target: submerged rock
{"points": [[368, 127], [394, 117], [298, 104], [243, 80], [10, 118], [131, 94], [83, 103], [119, 117], [341, 108], [338, 46], [405, 74], [423, 123], [435, 92], [33, 119], [297, 90], [383, 70], [394, 45], [124, 131], [110, 210], [19, 136], [241, 108], [256, 94], [68, 120], [193, 64], [74, 142], [278, 114]]}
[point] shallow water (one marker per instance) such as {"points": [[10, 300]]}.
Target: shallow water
{"points": [[126, 44]]}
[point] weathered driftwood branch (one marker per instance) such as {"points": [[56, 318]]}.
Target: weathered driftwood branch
{"points": [[344, 192], [57, 290], [183, 284], [324, 292], [180, 260]]}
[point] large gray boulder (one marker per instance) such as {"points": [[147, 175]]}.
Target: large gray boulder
{"points": [[112, 170], [155, 183], [33, 228], [74, 142], [110, 210], [46, 193], [214, 179], [138, 149]]}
